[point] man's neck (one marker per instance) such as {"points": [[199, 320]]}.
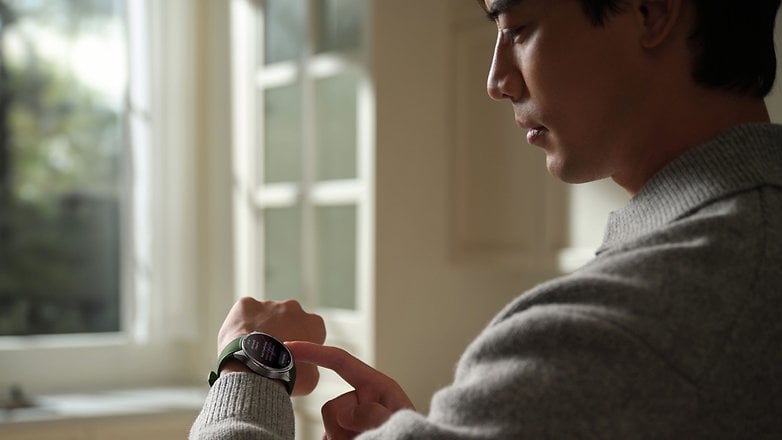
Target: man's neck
{"points": [[686, 124]]}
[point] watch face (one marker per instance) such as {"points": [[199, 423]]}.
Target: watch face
{"points": [[266, 350]]}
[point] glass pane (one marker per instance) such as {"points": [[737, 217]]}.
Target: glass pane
{"points": [[336, 235], [340, 24], [335, 126], [63, 77], [282, 253], [282, 148], [285, 26]]}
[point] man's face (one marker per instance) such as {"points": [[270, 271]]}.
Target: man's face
{"points": [[575, 87]]}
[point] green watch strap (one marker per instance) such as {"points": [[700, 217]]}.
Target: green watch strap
{"points": [[292, 374], [227, 354]]}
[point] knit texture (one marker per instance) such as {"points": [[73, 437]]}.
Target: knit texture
{"points": [[672, 331], [245, 406]]}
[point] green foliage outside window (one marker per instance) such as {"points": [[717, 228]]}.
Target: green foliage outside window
{"points": [[61, 147]]}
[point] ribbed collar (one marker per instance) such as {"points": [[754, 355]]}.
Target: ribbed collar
{"points": [[744, 157]]}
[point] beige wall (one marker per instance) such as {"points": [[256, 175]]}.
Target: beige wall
{"points": [[437, 287], [775, 99]]}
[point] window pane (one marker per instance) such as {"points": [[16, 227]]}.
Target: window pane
{"points": [[336, 234], [339, 24], [285, 25], [62, 81], [282, 253], [283, 141], [335, 125]]}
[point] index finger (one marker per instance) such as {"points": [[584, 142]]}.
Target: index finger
{"points": [[351, 369]]}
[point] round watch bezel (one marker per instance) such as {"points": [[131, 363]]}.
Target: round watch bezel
{"points": [[248, 356]]}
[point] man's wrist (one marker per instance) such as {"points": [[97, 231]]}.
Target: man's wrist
{"points": [[236, 366]]}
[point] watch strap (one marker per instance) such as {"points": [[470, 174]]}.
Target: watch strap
{"points": [[292, 373], [227, 353]]}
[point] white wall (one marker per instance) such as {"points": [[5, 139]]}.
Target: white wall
{"points": [[774, 101], [436, 289]]}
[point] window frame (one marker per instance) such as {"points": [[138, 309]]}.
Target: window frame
{"points": [[353, 328], [159, 236]]}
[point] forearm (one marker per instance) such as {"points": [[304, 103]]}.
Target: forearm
{"points": [[245, 406]]}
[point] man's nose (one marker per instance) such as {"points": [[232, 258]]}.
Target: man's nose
{"points": [[504, 81]]}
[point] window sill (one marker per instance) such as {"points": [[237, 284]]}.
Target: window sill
{"points": [[149, 401]]}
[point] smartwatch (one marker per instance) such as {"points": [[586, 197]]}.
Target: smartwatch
{"points": [[263, 354]]}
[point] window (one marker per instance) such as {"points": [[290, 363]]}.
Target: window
{"points": [[303, 147], [125, 135], [62, 178]]}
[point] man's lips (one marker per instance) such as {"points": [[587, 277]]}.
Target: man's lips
{"points": [[534, 130], [534, 134]]}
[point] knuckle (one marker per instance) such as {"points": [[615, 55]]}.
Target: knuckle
{"points": [[292, 305], [319, 325], [247, 302]]}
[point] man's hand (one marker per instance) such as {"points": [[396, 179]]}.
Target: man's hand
{"points": [[375, 398], [285, 321]]}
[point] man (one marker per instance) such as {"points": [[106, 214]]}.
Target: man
{"points": [[672, 331]]}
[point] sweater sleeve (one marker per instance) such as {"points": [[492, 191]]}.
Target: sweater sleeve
{"points": [[245, 406], [554, 371]]}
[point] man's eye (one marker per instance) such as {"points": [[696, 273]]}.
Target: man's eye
{"points": [[513, 35]]}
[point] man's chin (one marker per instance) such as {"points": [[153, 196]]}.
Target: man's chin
{"points": [[568, 172]]}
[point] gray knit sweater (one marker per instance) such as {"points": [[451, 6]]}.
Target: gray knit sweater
{"points": [[672, 331]]}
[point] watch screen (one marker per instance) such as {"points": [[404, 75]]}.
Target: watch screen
{"points": [[267, 350]]}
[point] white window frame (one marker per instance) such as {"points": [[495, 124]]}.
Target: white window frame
{"points": [[351, 329], [159, 236]]}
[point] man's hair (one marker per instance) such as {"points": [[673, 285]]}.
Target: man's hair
{"points": [[732, 42]]}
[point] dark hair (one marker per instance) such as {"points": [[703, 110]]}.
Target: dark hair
{"points": [[734, 45], [732, 41], [599, 10]]}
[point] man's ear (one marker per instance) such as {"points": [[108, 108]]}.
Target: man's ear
{"points": [[658, 18]]}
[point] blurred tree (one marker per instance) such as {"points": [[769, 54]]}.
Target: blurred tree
{"points": [[60, 148], [6, 19]]}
